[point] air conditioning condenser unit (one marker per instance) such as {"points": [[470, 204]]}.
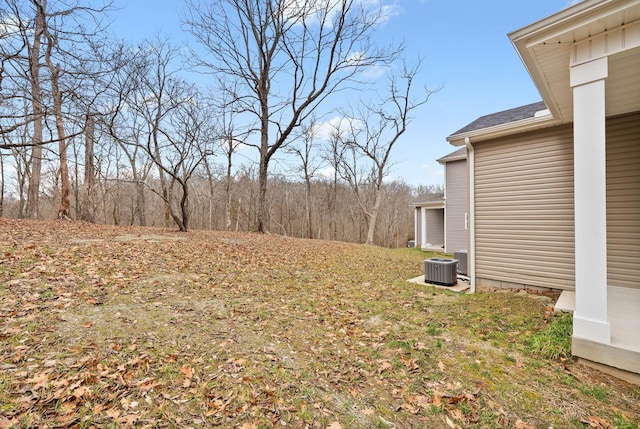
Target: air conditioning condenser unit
{"points": [[441, 271], [461, 256]]}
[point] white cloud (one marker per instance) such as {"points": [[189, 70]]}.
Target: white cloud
{"points": [[430, 174], [326, 172], [325, 129]]}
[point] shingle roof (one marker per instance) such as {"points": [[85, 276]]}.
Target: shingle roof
{"points": [[453, 155], [429, 198], [504, 117]]}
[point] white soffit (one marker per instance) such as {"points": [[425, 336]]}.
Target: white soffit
{"points": [[549, 46]]}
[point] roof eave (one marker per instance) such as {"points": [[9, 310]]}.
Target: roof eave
{"points": [[522, 38], [445, 160], [523, 125], [430, 204], [548, 31]]}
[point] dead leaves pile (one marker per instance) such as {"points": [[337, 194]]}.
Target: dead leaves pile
{"points": [[140, 327]]}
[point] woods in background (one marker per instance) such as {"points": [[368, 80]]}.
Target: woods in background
{"points": [[101, 130]]}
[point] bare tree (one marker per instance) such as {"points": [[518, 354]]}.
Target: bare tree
{"points": [[373, 132], [305, 151], [333, 154], [44, 43], [56, 93], [166, 118], [188, 144], [125, 117], [287, 58], [36, 100], [231, 135]]}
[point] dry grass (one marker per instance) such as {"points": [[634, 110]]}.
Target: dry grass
{"points": [[141, 327]]}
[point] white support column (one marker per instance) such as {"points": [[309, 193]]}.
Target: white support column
{"points": [[590, 319], [423, 230], [416, 217]]}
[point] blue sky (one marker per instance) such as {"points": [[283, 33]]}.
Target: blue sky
{"points": [[464, 47]]}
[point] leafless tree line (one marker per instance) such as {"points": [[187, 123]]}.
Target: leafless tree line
{"points": [[104, 131]]}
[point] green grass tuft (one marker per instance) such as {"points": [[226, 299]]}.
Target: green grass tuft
{"points": [[554, 341]]}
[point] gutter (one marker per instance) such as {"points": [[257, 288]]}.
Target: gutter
{"points": [[472, 214]]}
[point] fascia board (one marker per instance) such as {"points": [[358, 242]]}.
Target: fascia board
{"points": [[569, 20], [430, 205], [451, 159], [558, 23]]}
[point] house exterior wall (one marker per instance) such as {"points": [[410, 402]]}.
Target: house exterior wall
{"points": [[435, 227], [524, 213], [623, 201], [524, 208], [456, 206]]}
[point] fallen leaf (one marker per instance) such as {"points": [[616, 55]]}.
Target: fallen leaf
{"points": [[334, 425], [383, 366], [82, 391], [422, 401], [187, 371], [40, 380], [437, 398], [129, 420], [456, 414], [410, 408], [113, 413], [598, 423]]}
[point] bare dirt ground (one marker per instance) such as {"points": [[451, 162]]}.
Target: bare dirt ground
{"points": [[105, 326]]}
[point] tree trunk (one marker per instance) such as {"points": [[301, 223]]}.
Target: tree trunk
{"points": [[262, 215], [65, 188], [163, 182], [181, 217], [227, 192], [33, 193], [140, 202], [88, 196], [184, 207], [373, 217], [307, 202]]}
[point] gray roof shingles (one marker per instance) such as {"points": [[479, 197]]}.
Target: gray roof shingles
{"points": [[453, 155], [504, 117]]}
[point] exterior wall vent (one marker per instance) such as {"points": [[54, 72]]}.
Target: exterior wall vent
{"points": [[441, 271]]}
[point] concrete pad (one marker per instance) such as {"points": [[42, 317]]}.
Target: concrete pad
{"points": [[566, 302], [461, 286]]}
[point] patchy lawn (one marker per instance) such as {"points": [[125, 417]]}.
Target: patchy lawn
{"points": [[143, 327]]}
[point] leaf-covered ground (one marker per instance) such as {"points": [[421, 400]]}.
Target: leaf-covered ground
{"points": [[142, 327]]}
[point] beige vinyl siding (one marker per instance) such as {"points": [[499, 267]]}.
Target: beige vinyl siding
{"points": [[435, 227], [623, 201], [524, 227], [456, 205]]}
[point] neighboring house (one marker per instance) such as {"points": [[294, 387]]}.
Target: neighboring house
{"points": [[441, 222], [555, 186]]}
